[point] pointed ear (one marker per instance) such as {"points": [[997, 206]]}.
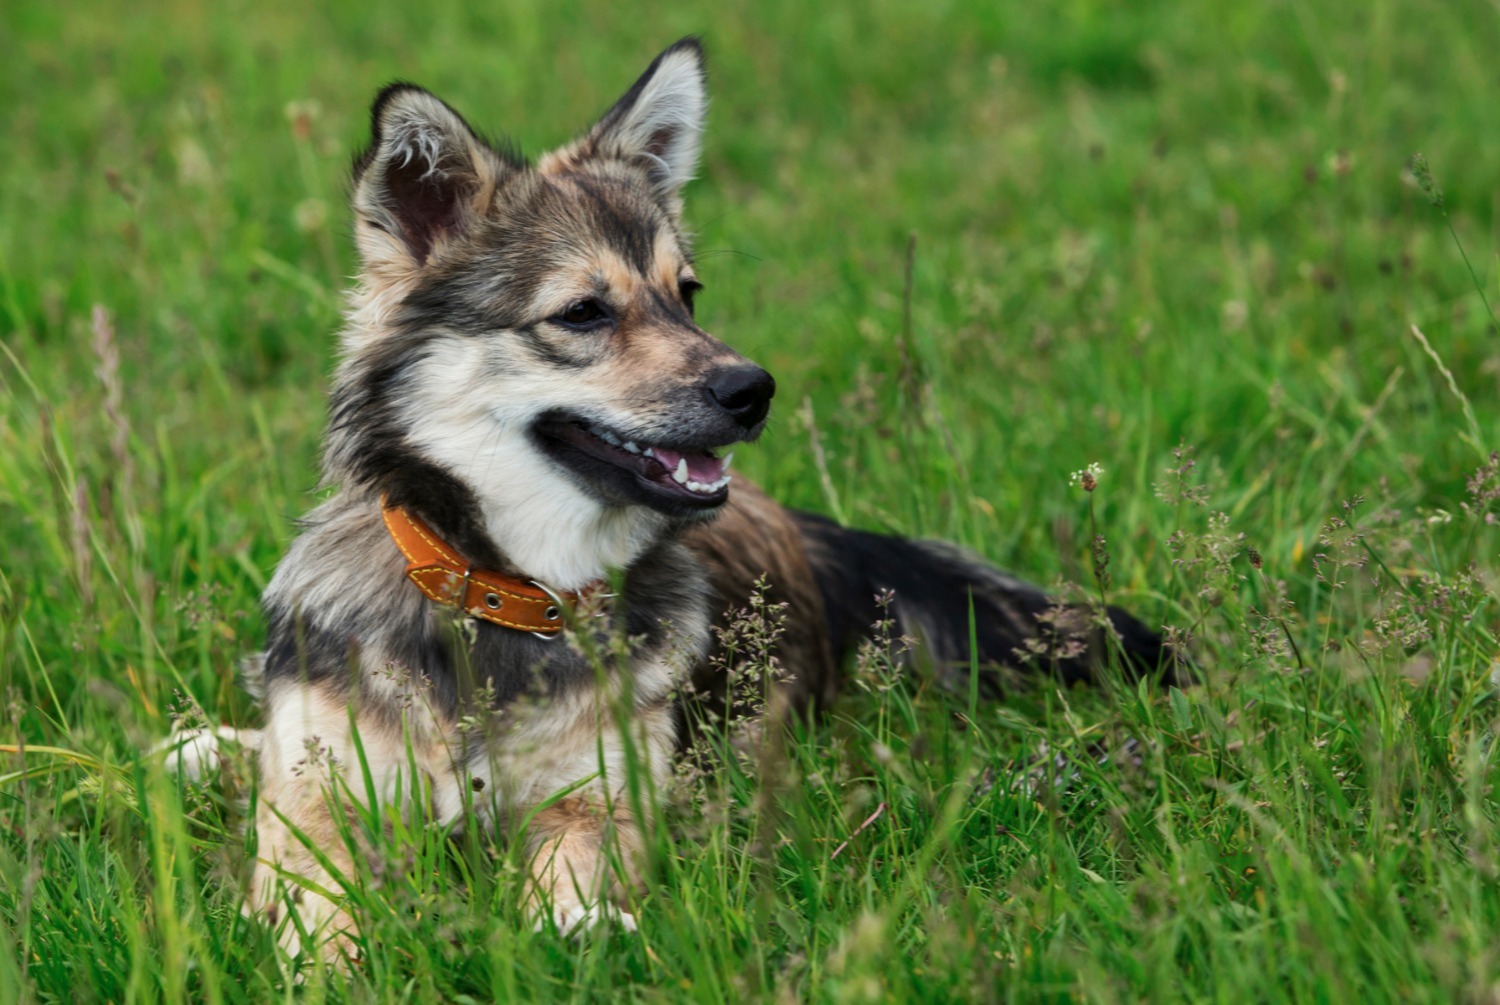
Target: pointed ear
{"points": [[423, 180], [659, 121]]}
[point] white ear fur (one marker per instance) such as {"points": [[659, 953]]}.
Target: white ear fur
{"points": [[660, 119], [419, 127], [420, 179]]}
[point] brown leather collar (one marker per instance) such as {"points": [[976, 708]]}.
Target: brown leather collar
{"points": [[440, 573]]}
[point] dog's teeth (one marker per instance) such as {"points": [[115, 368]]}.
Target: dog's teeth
{"points": [[680, 476], [648, 452], [727, 458], [706, 488], [630, 446]]}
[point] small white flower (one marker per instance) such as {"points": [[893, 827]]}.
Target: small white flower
{"points": [[1088, 478]]}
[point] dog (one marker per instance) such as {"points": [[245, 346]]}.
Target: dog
{"points": [[529, 445]]}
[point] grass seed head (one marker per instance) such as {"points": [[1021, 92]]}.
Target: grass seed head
{"points": [[1423, 174]]}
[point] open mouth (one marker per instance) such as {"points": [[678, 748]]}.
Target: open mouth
{"points": [[673, 479]]}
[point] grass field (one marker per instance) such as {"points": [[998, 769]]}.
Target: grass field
{"points": [[1183, 241]]}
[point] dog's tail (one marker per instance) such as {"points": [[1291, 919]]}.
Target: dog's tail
{"points": [[1016, 626]]}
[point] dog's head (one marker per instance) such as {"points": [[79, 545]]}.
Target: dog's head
{"points": [[527, 331]]}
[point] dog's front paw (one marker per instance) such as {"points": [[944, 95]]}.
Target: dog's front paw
{"points": [[577, 920]]}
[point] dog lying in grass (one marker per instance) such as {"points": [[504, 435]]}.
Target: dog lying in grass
{"points": [[535, 524]]}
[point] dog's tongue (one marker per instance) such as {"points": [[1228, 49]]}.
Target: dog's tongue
{"points": [[704, 468]]}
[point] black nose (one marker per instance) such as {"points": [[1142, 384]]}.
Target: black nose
{"points": [[744, 392]]}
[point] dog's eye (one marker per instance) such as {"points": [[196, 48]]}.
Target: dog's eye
{"points": [[688, 289], [583, 314]]}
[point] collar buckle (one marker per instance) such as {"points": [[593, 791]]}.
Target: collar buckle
{"points": [[553, 612]]}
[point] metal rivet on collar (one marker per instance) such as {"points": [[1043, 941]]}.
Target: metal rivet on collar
{"points": [[550, 613], [493, 601]]}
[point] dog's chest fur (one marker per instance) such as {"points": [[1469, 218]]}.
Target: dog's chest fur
{"points": [[343, 617]]}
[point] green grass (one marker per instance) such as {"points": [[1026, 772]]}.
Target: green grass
{"points": [[1135, 229]]}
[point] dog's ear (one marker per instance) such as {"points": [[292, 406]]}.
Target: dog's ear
{"points": [[658, 123], [423, 180]]}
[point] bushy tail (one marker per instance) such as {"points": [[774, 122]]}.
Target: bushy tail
{"points": [[1017, 626]]}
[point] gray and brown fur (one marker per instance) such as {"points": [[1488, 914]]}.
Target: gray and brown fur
{"points": [[452, 360]]}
